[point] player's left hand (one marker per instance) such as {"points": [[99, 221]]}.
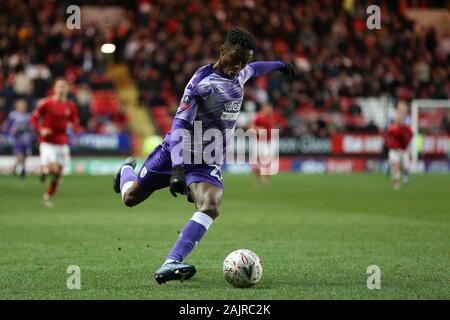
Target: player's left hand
{"points": [[45, 131], [177, 183], [288, 69]]}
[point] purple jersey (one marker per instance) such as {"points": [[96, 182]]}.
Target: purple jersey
{"points": [[214, 101], [18, 126]]}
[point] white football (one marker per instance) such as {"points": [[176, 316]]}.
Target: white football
{"points": [[242, 268]]}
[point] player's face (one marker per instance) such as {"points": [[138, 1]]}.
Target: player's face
{"points": [[21, 106], [267, 109], [61, 88], [234, 59], [399, 118]]}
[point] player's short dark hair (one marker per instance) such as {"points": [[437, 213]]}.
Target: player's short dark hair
{"points": [[241, 37], [60, 78]]}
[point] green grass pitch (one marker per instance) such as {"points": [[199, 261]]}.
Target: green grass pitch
{"points": [[315, 234]]}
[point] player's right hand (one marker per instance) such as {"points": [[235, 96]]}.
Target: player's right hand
{"points": [[177, 183], [45, 131], [288, 69]]}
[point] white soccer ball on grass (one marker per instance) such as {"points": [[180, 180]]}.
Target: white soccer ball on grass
{"points": [[242, 268]]}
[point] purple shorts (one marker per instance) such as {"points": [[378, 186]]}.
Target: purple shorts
{"points": [[157, 168], [21, 149]]}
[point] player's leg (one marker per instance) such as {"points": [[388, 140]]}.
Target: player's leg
{"points": [[256, 170], [125, 183], [19, 151], [16, 165], [270, 148], [58, 156], [48, 158], [260, 149], [44, 173], [20, 166], [207, 193], [406, 165], [153, 175], [264, 167], [27, 151], [394, 161], [54, 172], [207, 198], [43, 153], [257, 165]]}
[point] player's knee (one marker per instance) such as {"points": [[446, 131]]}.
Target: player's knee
{"points": [[209, 207], [132, 197], [129, 199], [55, 171], [208, 201]]}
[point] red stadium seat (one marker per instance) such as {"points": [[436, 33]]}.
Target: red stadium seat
{"points": [[104, 102]]}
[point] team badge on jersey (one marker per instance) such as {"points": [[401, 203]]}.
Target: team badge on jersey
{"points": [[185, 103], [143, 172]]}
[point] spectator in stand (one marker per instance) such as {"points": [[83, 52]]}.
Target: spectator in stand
{"points": [[83, 98], [36, 47], [446, 123]]}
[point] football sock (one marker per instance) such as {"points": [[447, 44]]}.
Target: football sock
{"points": [[405, 176], [18, 169], [127, 178], [52, 187], [23, 173], [169, 261], [191, 234], [395, 174]]}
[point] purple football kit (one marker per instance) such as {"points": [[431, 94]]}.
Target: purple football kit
{"points": [[214, 101], [211, 102], [18, 126]]}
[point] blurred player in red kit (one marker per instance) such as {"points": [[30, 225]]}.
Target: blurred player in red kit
{"points": [[266, 119], [398, 139], [51, 119]]}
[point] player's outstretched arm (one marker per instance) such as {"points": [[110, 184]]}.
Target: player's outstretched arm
{"points": [[263, 67]]}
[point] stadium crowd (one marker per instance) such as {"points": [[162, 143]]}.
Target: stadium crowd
{"points": [[338, 58], [164, 42], [36, 47]]}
